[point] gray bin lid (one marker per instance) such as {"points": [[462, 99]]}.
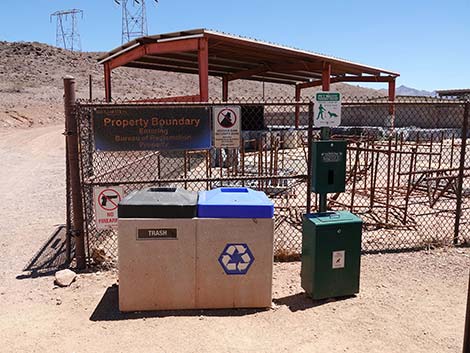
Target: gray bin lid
{"points": [[159, 202]]}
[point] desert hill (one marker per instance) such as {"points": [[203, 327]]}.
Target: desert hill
{"points": [[31, 85], [408, 91]]}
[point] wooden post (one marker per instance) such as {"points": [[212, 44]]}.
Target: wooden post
{"points": [[74, 170]]}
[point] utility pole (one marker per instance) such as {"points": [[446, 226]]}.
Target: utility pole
{"points": [[67, 34], [134, 19]]}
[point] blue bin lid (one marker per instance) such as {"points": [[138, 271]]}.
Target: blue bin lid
{"points": [[234, 202]]}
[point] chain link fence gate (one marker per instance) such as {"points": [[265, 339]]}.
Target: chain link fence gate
{"points": [[404, 182]]}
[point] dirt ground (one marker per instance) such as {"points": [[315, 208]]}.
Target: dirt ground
{"points": [[409, 302]]}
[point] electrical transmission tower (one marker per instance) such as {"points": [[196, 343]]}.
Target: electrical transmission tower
{"points": [[67, 35], [134, 19]]}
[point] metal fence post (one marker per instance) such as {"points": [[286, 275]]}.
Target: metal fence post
{"points": [[309, 157], [458, 209], [74, 170]]}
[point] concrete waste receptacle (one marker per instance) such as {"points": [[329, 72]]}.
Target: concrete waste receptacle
{"points": [[234, 249], [157, 250]]}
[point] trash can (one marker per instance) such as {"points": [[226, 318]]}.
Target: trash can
{"points": [[331, 254], [157, 250], [234, 249]]}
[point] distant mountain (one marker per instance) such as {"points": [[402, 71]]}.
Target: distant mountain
{"points": [[408, 91]]}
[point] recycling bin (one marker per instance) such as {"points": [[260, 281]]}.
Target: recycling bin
{"points": [[331, 254], [234, 261], [157, 250]]}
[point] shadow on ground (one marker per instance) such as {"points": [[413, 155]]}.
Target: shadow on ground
{"points": [[51, 257], [108, 310], [301, 301]]}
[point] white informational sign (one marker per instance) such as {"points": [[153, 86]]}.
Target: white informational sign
{"points": [[338, 259], [227, 126], [327, 109], [106, 206]]}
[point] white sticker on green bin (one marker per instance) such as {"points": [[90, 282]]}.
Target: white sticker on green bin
{"points": [[338, 259]]}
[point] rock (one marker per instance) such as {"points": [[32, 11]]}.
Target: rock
{"points": [[64, 278]]}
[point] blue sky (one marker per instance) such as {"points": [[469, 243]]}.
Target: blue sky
{"points": [[426, 41]]}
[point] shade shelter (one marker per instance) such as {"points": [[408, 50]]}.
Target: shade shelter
{"points": [[454, 93], [210, 53]]}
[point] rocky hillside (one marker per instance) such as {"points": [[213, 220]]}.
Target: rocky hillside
{"points": [[411, 92], [31, 85]]}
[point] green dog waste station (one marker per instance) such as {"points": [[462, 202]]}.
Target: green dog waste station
{"points": [[331, 240], [328, 166], [331, 254]]}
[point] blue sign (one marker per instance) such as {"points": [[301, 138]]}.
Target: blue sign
{"points": [[236, 259], [140, 128]]}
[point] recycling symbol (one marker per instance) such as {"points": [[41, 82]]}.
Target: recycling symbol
{"points": [[236, 259]]}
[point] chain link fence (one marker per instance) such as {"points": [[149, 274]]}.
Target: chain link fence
{"points": [[402, 169]]}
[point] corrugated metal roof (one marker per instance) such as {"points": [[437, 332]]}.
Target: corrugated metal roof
{"points": [[229, 54]]}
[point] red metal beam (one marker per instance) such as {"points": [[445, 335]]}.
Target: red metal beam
{"points": [[278, 68], [126, 57], [191, 98], [203, 61], [107, 82], [175, 46], [224, 88], [317, 83]]}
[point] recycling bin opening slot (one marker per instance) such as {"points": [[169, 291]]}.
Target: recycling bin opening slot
{"points": [[233, 189]]}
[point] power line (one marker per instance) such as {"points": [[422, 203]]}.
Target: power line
{"points": [[67, 34]]}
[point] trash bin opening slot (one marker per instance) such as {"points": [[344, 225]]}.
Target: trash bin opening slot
{"points": [[162, 189]]}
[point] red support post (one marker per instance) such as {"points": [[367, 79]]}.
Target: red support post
{"points": [[391, 99], [224, 88], [298, 91], [203, 60], [326, 76], [107, 81]]}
